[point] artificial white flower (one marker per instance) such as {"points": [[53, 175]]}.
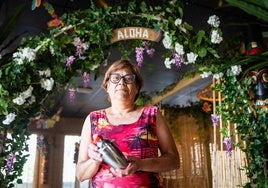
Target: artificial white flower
{"points": [[26, 94], [77, 41], [32, 99], [19, 100], [45, 73], [182, 29], [191, 58], [216, 38], [16, 55], [179, 49], [9, 118], [85, 45], [236, 70], [41, 73], [20, 61], [233, 71], [205, 74], [178, 22], [214, 21], [168, 62], [218, 76], [93, 67], [52, 51], [47, 84], [24, 54], [167, 41], [28, 54], [17, 58]]}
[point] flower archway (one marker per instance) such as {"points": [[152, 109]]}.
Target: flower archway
{"points": [[47, 62]]}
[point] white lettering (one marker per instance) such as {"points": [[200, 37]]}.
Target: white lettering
{"points": [[138, 32], [132, 33], [145, 34], [120, 35], [126, 33], [135, 33]]}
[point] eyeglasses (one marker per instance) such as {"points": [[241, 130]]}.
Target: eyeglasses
{"points": [[128, 78]]}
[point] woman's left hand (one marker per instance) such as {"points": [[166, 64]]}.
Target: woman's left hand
{"points": [[133, 166]]}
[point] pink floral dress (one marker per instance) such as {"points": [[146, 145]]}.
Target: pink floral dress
{"points": [[137, 139]]}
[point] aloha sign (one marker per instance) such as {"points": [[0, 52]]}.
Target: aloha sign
{"points": [[128, 33]]}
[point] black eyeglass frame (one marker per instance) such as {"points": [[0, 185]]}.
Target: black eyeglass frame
{"points": [[127, 81]]}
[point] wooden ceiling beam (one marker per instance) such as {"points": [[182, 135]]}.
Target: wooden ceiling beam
{"points": [[181, 84]]}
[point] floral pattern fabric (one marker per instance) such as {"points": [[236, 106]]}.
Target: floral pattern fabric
{"points": [[137, 139]]}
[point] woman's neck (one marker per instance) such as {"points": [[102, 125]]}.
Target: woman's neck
{"points": [[122, 108]]}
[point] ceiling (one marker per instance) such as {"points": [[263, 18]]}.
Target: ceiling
{"points": [[155, 79]]}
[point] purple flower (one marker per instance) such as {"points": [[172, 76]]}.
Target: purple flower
{"points": [[79, 50], [146, 45], [10, 163], [150, 52], [86, 79], [215, 119], [228, 143], [71, 94], [178, 59], [139, 56], [70, 61]]}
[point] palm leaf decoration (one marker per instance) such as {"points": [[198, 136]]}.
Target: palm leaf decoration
{"points": [[257, 8]]}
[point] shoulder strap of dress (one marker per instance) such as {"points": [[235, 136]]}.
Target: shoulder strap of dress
{"points": [[150, 110], [97, 114]]}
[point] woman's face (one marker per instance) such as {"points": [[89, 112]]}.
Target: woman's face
{"points": [[121, 85]]}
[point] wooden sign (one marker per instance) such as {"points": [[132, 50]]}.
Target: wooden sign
{"points": [[128, 33]]}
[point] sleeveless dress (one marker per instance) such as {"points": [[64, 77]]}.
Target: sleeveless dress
{"points": [[137, 139]]}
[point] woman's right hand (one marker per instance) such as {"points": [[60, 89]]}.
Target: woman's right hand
{"points": [[93, 152]]}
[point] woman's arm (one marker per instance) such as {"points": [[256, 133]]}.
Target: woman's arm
{"points": [[168, 160], [89, 159]]}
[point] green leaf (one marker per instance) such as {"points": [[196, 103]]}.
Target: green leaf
{"points": [[257, 142], [252, 7], [19, 181], [200, 36], [202, 52]]}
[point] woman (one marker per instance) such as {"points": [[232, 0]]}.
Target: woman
{"points": [[137, 131]]}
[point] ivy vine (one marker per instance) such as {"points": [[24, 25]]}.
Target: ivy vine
{"points": [[46, 63]]}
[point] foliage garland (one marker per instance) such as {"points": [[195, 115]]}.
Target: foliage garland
{"points": [[83, 45]]}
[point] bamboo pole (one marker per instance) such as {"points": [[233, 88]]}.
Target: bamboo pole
{"points": [[215, 168]]}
